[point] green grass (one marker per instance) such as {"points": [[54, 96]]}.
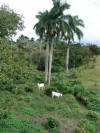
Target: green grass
{"points": [[16, 125], [31, 110], [28, 111], [90, 77]]}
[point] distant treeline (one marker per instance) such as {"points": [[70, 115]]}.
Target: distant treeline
{"points": [[80, 54]]}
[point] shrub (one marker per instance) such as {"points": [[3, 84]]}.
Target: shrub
{"points": [[22, 88], [56, 68], [25, 88], [28, 88], [24, 131], [62, 84], [93, 101], [52, 123], [38, 78], [6, 83], [49, 90], [85, 126], [20, 80], [93, 115], [19, 89], [3, 114], [77, 130], [73, 75], [79, 91]]}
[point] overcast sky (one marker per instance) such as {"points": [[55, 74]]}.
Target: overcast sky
{"points": [[88, 10]]}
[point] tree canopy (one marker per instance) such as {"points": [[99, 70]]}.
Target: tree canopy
{"points": [[10, 22]]}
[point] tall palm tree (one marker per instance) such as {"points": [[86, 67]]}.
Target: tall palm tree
{"points": [[56, 27], [73, 28], [52, 25], [41, 29]]}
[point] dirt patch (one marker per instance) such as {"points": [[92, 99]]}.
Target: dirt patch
{"points": [[38, 119], [62, 130], [72, 126]]}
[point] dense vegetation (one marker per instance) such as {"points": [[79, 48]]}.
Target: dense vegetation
{"points": [[10, 22], [24, 108]]}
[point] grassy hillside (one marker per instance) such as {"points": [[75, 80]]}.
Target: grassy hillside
{"points": [[25, 109], [90, 77]]}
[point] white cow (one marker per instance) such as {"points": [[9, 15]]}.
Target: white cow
{"points": [[41, 86], [56, 94]]}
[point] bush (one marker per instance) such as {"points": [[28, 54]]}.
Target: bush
{"points": [[77, 130], [93, 102], [62, 84], [48, 91], [3, 114], [28, 88], [20, 80], [57, 68], [93, 115], [85, 126], [25, 88], [38, 78], [6, 83], [52, 123], [73, 75], [78, 90], [22, 88]]}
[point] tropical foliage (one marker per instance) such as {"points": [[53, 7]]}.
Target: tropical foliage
{"points": [[10, 22], [23, 63]]}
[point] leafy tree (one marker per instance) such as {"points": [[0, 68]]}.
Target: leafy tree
{"points": [[94, 49], [77, 56], [10, 22], [25, 43], [22, 41]]}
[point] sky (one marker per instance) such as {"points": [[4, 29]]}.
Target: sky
{"points": [[87, 10]]}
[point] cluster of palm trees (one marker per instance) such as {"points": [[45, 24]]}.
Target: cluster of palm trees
{"points": [[55, 24]]}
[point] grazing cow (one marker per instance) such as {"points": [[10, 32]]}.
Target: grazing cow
{"points": [[41, 86], [56, 94]]}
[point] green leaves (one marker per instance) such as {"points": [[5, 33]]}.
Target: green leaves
{"points": [[9, 22], [51, 23]]}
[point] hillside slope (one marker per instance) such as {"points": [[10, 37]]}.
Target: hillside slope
{"points": [[25, 109], [90, 77]]}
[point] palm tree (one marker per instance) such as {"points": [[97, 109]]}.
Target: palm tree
{"points": [[51, 25], [56, 27], [73, 28], [41, 29]]}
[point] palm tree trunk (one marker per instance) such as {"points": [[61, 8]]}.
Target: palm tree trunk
{"points": [[40, 51], [31, 56], [40, 46], [67, 58], [50, 62], [46, 62]]}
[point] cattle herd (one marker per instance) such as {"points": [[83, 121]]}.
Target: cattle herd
{"points": [[41, 86]]}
